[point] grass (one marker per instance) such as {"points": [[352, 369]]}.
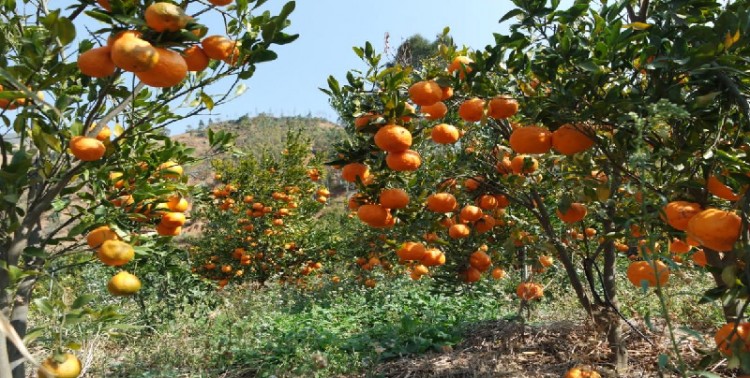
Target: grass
{"points": [[333, 330], [283, 331]]}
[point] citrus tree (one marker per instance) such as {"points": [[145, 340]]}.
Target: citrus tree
{"points": [[599, 139], [260, 214], [87, 92]]}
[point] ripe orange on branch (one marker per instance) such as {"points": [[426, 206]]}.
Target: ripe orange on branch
{"points": [[115, 252], [218, 47], [87, 149], [69, 367], [123, 283], [353, 171], [502, 107], [393, 138], [679, 213], [445, 134], [571, 139], [460, 64], [531, 140], [435, 111], [643, 271], [195, 58], [395, 198], [471, 110], [425, 93], [163, 16], [715, 229], [408, 160], [575, 212], [441, 202], [133, 54], [170, 69], [97, 62]]}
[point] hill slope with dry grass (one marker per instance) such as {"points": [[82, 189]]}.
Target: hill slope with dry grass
{"points": [[258, 134]]}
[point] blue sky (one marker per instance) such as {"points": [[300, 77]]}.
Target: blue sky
{"points": [[328, 29]]}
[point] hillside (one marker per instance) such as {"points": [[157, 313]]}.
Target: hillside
{"points": [[258, 134]]}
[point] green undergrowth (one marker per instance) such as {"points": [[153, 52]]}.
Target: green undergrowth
{"points": [[336, 329], [345, 329]]}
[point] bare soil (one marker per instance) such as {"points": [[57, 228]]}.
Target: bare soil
{"points": [[510, 349]]}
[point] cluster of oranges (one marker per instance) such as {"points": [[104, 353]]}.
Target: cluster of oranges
{"points": [[168, 210], [155, 65]]}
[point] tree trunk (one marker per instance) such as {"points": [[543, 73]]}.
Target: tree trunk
{"points": [[19, 320], [731, 309]]}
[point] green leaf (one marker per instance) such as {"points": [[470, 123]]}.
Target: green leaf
{"points": [[44, 305], [207, 100], [82, 301], [511, 14]]}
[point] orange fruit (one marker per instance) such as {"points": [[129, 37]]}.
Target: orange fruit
{"points": [[169, 70], [218, 47], [163, 16], [373, 215], [715, 229], [502, 107], [353, 171], [433, 257], [394, 198], [470, 213], [411, 251], [529, 291], [123, 283], [220, 3], [571, 139], [575, 213], [523, 164], [393, 138], [441, 202], [177, 203], [99, 235], [364, 120], [173, 219], [195, 58], [471, 110], [447, 93], [741, 336], [498, 273], [97, 62], [531, 140], [459, 231], [699, 258], [163, 230], [679, 213], [480, 261], [445, 134], [460, 64], [408, 160], [678, 246], [170, 169], [133, 54], [581, 372], [115, 252], [435, 111], [103, 135], [472, 274], [87, 149], [425, 93], [643, 271], [484, 224], [70, 367]]}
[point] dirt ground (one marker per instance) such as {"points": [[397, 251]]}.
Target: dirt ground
{"points": [[509, 349]]}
